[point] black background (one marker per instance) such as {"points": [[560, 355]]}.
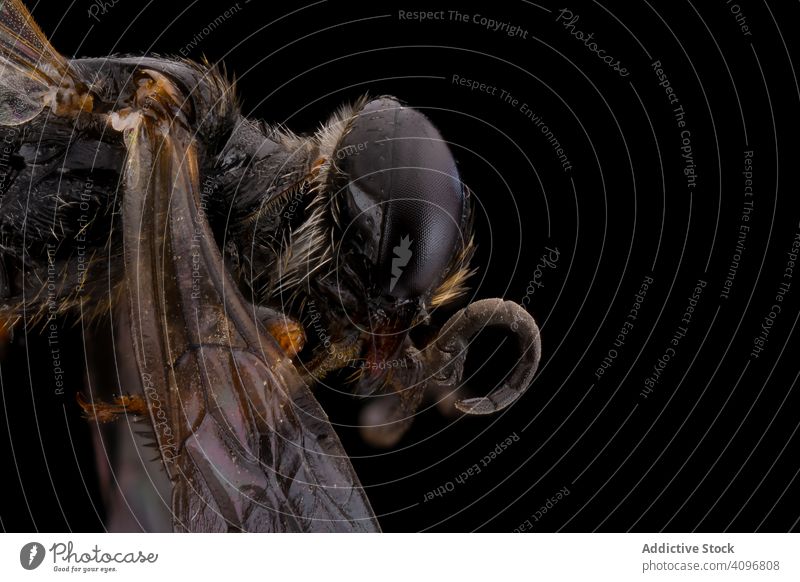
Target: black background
{"points": [[714, 447]]}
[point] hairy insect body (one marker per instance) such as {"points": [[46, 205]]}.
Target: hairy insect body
{"points": [[249, 262]]}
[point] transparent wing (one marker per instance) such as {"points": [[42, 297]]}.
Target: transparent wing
{"points": [[245, 443], [32, 73]]}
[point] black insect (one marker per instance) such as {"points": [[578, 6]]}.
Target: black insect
{"points": [[248, 262]]}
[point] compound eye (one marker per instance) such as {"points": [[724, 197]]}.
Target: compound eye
{"points": [[404, 203]]}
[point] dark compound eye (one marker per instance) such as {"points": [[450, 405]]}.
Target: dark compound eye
{"points": [[404, 199]]}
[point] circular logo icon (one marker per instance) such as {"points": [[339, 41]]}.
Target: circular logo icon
{"points": [[31, 555]]}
